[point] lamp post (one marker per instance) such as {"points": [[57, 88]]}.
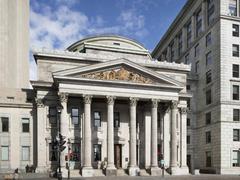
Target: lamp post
{"points": [[68, 166], [59, 110]]}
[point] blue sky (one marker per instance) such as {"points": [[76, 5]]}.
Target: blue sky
{"points": [[56, 24]]}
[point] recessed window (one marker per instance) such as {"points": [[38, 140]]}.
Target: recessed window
{"points": [[210, 11], [236, 114], [208, 137], [117, 44], [171, 51], [97, 119], [75, 116], [235, 70], [53, 115], [4, 153], [232, 7], [208, 159], [116, 119], [25, 153], [187, 60], [197, 67], [208, 77], [188, 122], [208, 118], [235, 92], [208, 39], [209, 58], [180, 44], [196, 50], [235, 50], [235, 30], [75, 152], [208, 96], [53, 152], [97, 152], [188, 87], [236, 158], [25, 125], [189, 34], [198, 22], [5, 124], [188, 139], [236, 134]]}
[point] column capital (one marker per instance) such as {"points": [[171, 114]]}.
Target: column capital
{"points": [[183, 110], [87, 99], [39, 102], [155, 103], [174, 104], [110, 100], [133, 101], [63, 97]]}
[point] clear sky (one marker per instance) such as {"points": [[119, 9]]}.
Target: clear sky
{"points": [[59, 23]]}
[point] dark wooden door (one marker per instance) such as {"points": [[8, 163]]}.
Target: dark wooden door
{"points": [[189, 162], [118, 155]]}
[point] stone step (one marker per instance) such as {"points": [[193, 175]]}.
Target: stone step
{"points": [[122, 172], [98, 172], [143, 172]]}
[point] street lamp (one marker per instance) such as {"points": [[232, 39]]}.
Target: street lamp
{"points": [[59, 110]]}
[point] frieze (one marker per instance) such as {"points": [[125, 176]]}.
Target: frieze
{"points": [[119, 74]]}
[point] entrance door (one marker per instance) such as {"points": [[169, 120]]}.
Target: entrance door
{"points": [[118, 155], [189, 162]]}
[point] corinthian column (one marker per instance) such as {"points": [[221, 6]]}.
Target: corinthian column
{"points": [[133, 169], [154, 141], [111, 170], [87, 138], [173, 161]]}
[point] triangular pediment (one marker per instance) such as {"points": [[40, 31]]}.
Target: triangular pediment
{"points": [[119, 71]]}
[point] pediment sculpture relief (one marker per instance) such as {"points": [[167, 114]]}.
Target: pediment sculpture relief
{"points": [[119, 74]]}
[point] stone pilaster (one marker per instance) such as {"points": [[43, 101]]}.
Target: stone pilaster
{"points": [[87, 138], [133, 169], [173, 158], [154, 142], [111, 170]]}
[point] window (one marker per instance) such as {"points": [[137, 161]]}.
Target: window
{"points": [[53, 152], [158, 120], [75, 116], [208, 96], [235, 92], [236, 114], [5, 153], [188, 139], [75, 152], [189, 34], [235, 50], [196, 50], [5, 124], [25, 125], [188, 87], [25, 153], [198, 22], [208, 77], [210, 11], [197, 67], [209, 58], [235, 31], [116, 119], [208, 118], [236, 158], [53, 115], [97, 152], [188, 104], [208, 39], [236, 134], [235, 70], [233, 8], [171, 52], [188, 122], [208, 137], [187, 61], [97, 119], [208, 159], [180, 44]]}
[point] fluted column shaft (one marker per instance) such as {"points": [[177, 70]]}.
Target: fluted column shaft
{"points": [[154, 127], [87, 135], [110, 132], [183, 136], [173, 162], [133, 140]]}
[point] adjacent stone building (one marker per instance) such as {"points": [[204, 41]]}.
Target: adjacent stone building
{"points": [[205, 34]]}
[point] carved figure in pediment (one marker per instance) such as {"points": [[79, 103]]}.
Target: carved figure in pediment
{"points": [[122, 74], [112, 75]]}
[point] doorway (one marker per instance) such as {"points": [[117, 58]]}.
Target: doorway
{"points": [[189, 163], [118, 155]]}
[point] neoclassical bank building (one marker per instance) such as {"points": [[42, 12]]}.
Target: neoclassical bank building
{"points": [[120, 110]]}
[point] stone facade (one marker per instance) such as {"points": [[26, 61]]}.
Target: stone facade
{"points": [[211, 147]]}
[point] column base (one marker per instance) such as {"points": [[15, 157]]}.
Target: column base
{"points": [[64, 172], [87, 172], [41, 169], [155, 171], [111, 171], [179, 171], [133, 171]]}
